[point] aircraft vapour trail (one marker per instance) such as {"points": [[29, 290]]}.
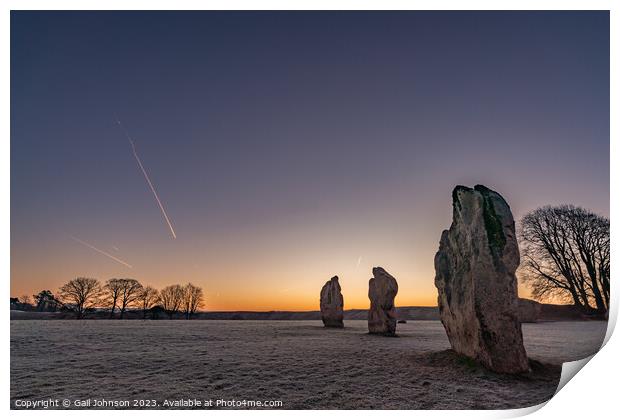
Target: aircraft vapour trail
{"points": [[118, 260], [359, 260], [148, 180]]}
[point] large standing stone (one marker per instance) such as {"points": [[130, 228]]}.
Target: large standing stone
{"points": [[331, 304], [382, 315], [475, 276]]}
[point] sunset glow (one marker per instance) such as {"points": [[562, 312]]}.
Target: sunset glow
{"points": [[286, 155]]}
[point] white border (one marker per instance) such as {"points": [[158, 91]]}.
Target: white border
{"points": [[591, 394]]}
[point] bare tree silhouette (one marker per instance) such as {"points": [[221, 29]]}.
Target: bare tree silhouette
{"points": [[171, 298], [82, 294], [130, 293], [111, 292], [192, 299], [565, 254], [148, 298]]}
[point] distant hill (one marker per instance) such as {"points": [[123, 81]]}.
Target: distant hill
{"points": [[547, 312], [404, 312]]}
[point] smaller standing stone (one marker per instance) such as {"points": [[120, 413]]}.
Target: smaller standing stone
{"points": [[331, 304], [382, 290]]}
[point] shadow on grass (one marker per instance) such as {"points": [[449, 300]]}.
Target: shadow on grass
{"points": [[539, 371]]}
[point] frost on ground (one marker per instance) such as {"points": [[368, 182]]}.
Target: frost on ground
{"points": [[300, 363]]}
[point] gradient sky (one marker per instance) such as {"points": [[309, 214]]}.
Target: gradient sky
{"points": [[287, 146]]}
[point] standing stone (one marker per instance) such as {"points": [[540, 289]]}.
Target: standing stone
{"points": [[475, 276], [382, 315], [331, 304]]}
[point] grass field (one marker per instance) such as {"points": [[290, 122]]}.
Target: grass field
{"points": [[299, 363]]}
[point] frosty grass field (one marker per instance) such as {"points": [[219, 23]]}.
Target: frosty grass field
{"points": [[299, 363]]}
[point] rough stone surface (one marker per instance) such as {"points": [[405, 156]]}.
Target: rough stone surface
{"points": [[331, 304], [529, 310], [382, 316], [475, 276]]}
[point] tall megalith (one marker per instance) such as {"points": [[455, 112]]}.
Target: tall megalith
{"points": [[475, 277]]}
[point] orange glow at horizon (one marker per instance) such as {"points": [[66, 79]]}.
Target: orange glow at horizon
{"points": [[254, 268], [267, 300], [285, 299]]}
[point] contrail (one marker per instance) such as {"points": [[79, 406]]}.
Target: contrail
{"points": [[359, 260], [118, 260], [146, 176]]}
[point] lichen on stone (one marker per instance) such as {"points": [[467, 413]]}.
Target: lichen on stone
{"points": [[492, 222]]}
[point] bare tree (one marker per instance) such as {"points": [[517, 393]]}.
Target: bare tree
{"points": [[565, 254], [148, 297], [81, 294], [171, 298], [130, 293], [111, 291], [192, 299]]}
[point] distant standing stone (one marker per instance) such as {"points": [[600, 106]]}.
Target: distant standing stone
{"points": [[382, 289], [332, 303], [475, 277]]}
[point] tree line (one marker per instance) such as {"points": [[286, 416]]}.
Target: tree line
{"points": [[83, 295]]}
